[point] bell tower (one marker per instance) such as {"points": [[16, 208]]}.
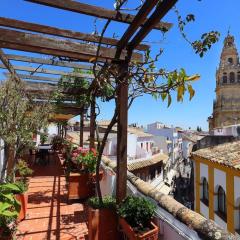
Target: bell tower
{"points": [[226, 107]]}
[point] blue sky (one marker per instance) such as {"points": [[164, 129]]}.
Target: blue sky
{"points": [[210, 15]]}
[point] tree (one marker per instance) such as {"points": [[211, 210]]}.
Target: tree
{"points": [[20, 117], [142, 78]]}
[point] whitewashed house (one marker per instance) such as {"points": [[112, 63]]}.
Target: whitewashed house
{"points": [[172, 136], [140, 144]]}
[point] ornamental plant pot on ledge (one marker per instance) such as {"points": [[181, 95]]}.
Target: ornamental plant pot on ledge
{"points": [[132, 235], [102, 219], [80, 186], [23, 199], [136, 215]]}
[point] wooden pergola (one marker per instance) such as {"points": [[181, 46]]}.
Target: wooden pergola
{"points": [[81, 48]]}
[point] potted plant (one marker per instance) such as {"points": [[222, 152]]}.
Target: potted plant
{"points": [[23, 171], [9, 210], [102, 219], [136, 219], [43, 138], [22, 196], [82, 180]]}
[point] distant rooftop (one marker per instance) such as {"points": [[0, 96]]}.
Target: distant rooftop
{"points": [[148, 162], [227, 154]]}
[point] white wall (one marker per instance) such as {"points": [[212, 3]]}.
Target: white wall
{"points": [[108, 182], [204, 210], [203, 171], [219, 179], [161, 143], [52, 129], [220, 222], [132, 145], [203, 174], [186, 148]]}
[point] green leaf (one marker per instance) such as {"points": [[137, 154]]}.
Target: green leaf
{"points": [[163, 96], [191, 91], [155, 95], [169, 100], [180, 93], [4, 206]]}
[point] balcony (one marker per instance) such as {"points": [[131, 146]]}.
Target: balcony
{"points": [[51, 216]]}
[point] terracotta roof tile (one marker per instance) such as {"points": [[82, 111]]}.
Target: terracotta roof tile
{"points": [[227, 154], [148, 162]]}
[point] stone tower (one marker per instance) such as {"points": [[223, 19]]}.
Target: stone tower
{"points": [[226, 107]]}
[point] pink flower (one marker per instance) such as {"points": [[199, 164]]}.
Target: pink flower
{"points": [[74, 154]]}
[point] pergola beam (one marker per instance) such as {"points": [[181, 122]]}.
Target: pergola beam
{"points": [[136, 23], [95, 11], [53, 52], [33, 70], [12, 23], [161, 10], [58, 47], [35, 78], [48, 61], [8, 65]]}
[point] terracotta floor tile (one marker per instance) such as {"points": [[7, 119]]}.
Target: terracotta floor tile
{"points": [[49, 217]]}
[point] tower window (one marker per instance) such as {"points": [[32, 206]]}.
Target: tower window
{"points": [[232, 77], [230, 60], [224, 79]]}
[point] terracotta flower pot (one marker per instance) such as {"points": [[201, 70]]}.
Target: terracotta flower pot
{"points": [[132, 235], [102, 224], [80, 186], [23, 199], [94, 176]]}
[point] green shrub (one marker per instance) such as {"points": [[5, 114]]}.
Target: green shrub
{"points": [[107, 202], [23, 169], [23, 187], [9, 208], [43, 137], [137, 211]]}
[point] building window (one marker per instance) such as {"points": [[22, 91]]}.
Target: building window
{"points": [[141, 145], [222, 209], [230, 60], [205, 195], [224, 78], [147, 146], [232, 77]]}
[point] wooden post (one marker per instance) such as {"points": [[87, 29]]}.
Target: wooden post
{"points": [[81, 128], [122, 105], [92, 124]]}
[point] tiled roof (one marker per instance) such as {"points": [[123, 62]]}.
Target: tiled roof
{"points": [[148, 162], [227, 154], [139, 132], [192, 137]]}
